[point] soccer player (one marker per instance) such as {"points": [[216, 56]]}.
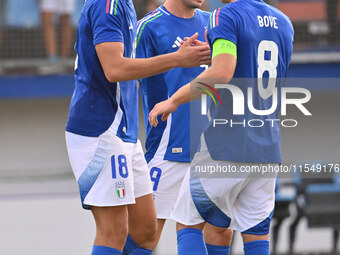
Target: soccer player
{"points": [[168, 145], [101, 131], [260, 37]]}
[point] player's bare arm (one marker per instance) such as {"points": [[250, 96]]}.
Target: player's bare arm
{"points": [[221, 70], [118, 68]]}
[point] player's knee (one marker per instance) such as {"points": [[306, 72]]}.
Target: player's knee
{"points": [[109, 233], [145, 231], [259, 231], [250, 238], [228, 235], [217, 236], [146, 235], [150, 230]]}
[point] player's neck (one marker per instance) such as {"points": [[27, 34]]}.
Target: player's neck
{"points": [[178, 9]]}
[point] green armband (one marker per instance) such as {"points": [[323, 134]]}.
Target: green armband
{"points": [[222, 46]]}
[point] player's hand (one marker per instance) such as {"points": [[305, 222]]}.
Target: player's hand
{"points": [[190, 55], [166, 107], [198, 42], [194, 43]]}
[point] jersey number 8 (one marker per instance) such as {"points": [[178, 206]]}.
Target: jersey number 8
{"points": [[268, 65]]}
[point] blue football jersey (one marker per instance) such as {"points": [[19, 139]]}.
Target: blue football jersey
{"points": [[98, 104], [161, 32], [264, 39]]}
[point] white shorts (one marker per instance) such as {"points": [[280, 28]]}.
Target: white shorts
{"points": [[236, 203], [58, 6], [167, 177], [109, 171]]}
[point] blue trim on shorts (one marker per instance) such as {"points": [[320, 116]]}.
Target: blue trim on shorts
{"points": [[91, 173], [206, 208], [262, 228]]}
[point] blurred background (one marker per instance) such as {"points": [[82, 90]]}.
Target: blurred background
{"points": [[40, 211]]}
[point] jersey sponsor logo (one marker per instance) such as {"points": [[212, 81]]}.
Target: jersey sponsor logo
{"points": [[177, 150], [177, 42], [120, 189]]}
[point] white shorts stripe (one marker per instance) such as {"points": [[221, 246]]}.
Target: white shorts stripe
{"points": [[115, 124], [163, 144]]}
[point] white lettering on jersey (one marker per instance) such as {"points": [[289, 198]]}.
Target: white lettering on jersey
{"points": [[267, 21]]}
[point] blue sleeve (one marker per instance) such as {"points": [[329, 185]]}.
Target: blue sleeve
{"points": [[222, 25], [107, 21]]}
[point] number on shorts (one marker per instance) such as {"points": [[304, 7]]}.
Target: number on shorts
{"points": [[155, 174], [122, 166]]}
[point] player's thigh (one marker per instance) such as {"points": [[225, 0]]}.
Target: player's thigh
{"points": [[254, 206], [167, 177], [142, 214]]}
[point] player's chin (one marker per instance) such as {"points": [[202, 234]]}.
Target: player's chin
{"points": [[196, 3]]}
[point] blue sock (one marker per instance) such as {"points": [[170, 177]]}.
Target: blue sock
{"points": [[260, 247], [217, 249], [141, 251], [130, 246], [103, 250], [190, 241]]}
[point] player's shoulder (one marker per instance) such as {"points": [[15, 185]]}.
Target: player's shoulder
{"points": [[102, 7], [231, 10], [153, 18], [151, 21]]}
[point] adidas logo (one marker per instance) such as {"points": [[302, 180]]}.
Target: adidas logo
{"points": [[177, 42]]}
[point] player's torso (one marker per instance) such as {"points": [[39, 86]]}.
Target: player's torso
{"points": [[95, 100], [264, 45], [171, 140], [262, 29]]}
